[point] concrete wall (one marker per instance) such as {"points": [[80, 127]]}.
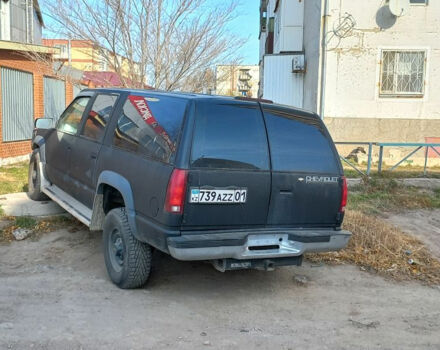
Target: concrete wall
{"points": [[354, 64], [312, 50]]}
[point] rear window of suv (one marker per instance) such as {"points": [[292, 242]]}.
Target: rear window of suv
{"points": [[298, 142], [150, 126], [229, 136]]}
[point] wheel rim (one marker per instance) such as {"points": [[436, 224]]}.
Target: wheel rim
{"points": [[116, 249]]}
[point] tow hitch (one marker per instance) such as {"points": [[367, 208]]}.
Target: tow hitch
{"points": [[223, 265]]}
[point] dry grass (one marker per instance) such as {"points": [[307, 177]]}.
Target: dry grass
{"points": [[379, 247], [378, 196]]}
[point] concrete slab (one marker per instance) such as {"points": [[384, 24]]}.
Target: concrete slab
{"points": [[19, 204], [415, 182]]}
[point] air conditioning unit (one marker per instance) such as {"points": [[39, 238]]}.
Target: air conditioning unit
{"points": [[298, 63]]}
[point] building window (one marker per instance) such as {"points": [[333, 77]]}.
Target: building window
{"points": [[63, 49], [402, 73], [102, 66], [419, 2]]}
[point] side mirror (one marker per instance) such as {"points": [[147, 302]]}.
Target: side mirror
{"points": [[44, 123]]}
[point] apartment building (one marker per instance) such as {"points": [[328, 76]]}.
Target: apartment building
{"points": [[372, 73], [237, 80], [84, 55]]}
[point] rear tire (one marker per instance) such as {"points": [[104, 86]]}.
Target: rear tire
{"points": [[128, 260], [34, 179]]}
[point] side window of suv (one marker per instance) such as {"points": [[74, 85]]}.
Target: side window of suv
{"points": [[150, 126], [229, 136], [98, 116], [71, 118]]}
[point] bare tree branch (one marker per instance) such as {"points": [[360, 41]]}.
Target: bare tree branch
{"points": [[168, 44]]}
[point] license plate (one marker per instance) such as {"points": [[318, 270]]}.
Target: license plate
{"points": [[218, 196]]}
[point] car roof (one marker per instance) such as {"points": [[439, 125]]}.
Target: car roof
{"points": [[196, 96]]}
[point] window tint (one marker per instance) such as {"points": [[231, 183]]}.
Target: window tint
{"points": [[229, 136], [98, 116], [71, 118], [298, 143], [150, 125]]}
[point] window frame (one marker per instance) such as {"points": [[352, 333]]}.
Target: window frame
{"points": [[86, 115], [86, 110], [402, 94], [424, 3]]}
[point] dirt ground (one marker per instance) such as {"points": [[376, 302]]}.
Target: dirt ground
{"points": [[424, 224], [55, 294]]}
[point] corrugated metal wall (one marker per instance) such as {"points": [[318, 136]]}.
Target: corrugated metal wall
{"points": [[17, 105], [280, 84], [54, 97]]}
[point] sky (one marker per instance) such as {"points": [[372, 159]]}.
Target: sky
{"points": [[245, 26]]}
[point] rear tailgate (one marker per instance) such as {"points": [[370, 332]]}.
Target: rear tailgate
{"points": [[229, 155], [306, 172]]}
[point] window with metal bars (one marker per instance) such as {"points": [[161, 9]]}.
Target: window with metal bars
{"points": [[402, 73]]}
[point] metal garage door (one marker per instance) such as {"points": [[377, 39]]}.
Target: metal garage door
{"points": [[54, 97], [17, 104]]}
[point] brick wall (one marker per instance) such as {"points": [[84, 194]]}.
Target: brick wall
{"points": [[20, 61]]}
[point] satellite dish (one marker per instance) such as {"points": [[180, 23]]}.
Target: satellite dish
{"points": [[399, 7]]}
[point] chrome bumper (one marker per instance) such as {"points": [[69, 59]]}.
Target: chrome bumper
{"points": [[255, 246]]}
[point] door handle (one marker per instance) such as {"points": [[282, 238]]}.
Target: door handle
{"points": [[93, 155]]}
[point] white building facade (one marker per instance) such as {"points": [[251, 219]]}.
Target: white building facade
{"points": [[371, 74]]}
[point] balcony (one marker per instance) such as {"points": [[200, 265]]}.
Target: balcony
{"points": [[245, 76]]}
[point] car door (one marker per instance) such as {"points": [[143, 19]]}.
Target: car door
{"points": [[87, 146], [60, 142], [229, 153], [306, 172]]}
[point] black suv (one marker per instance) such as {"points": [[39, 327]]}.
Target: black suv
{"points": [[239, 182]]}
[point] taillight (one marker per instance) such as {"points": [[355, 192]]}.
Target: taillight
{"points": [[176, 191], [344, 195]]}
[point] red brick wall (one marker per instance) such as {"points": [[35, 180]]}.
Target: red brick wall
{"points": [[16, 60]]}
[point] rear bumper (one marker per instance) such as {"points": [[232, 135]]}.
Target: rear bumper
{"points": [[245, 245]]}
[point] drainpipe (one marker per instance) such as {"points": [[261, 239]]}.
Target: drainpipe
{"points": [[323, 59], [26, 12], [69, 52]]}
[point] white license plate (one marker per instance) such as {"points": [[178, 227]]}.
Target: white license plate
{"points": [[217, 196]]}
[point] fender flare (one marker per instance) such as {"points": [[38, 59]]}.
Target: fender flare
{"points": [[120, 183], [40, 142]]}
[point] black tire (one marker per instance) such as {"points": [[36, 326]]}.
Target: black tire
{"points": [[128, 260], [34, 179]]}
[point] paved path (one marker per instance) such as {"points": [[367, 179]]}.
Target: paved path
{"points": [[416, 182], [19, 204]]}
